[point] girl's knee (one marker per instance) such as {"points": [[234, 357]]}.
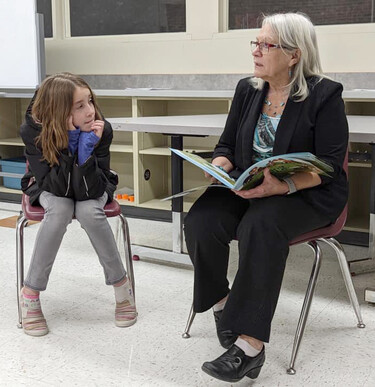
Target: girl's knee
{"points": [[62, 211], [86, 212]]}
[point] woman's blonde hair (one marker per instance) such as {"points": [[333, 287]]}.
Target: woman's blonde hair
{"points": [[295, 31], [51, 109]]}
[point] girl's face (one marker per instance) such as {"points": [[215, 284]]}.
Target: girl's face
{"points": [[83, 110]]}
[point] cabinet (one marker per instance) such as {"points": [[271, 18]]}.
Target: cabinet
{"points": [[360, 108], [142, 159], [144, 166]]}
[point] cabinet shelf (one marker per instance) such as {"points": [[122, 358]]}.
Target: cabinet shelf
{"points": [[115, 147], [125, 202], [357, 224], [10, 190], [121, 147], [359, 164], [15, 141], [166, 205]]}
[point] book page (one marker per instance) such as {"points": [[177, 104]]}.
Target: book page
{"points": [[282, 166], [206, 166], [189, 191]]}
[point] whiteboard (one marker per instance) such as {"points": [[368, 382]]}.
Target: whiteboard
{"points": [[20, 50]]}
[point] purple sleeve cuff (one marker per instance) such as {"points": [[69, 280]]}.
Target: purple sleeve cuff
{"points": [[73, 140], [86, 144]]}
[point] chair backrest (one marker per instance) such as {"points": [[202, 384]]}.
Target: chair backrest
{"points": [[331, 230]]}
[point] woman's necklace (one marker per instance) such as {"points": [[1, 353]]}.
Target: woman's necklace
{"points": [[274, 107]]}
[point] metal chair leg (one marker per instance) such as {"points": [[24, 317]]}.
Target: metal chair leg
{"points": [[21, 223], [347, 278], [306, 305], [128, 252], [117, 232], [190, 320]]}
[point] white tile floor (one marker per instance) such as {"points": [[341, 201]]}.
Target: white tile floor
{"points": [[84, 348]]}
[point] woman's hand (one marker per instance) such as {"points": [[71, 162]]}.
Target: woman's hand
{"points": [[221, 162], [97, 127], [212, 179], [270, 186]]}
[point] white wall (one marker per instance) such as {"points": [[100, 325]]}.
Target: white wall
{"points": [[201, 50], [18, 41]]}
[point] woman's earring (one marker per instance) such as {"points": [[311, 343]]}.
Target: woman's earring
{"points": [[290, 73]]}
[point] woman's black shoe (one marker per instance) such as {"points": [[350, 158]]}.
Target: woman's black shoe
{"points": [[226, 337], [233, 365]]}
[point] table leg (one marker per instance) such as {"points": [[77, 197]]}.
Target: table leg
{"points": [[372, 206], [177, 186]]}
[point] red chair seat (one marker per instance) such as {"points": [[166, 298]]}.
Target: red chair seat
{"points": [[325, 232], [36, 213]]}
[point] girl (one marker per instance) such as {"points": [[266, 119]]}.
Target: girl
{"points": [[67, 148]]}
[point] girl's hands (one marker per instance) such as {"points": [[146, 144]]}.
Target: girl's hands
{"points": [[270, 186], [97, 127], [70, 123]]}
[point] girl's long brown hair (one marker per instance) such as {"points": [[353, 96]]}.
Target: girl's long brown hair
{"points": [[52, 108]]}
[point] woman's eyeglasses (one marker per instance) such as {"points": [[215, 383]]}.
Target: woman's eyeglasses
{"points": [[264, 47]]}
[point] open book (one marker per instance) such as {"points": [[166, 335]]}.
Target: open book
{"points": [[280, 166]]}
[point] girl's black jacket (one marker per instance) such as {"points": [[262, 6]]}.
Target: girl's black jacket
{"points": [[67, 179]]}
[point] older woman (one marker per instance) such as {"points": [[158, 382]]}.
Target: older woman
{"points": [[289, 106]]}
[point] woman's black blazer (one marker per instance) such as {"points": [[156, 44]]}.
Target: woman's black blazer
{"points": [[317, 125]]}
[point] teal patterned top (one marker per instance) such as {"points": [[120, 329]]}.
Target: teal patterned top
{"points": [[264, 136]]}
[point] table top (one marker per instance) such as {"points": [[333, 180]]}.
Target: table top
{"points": [[359, 94], [361, 128], [165, 93], [355, 94], [203, 124], [138, 93]]}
